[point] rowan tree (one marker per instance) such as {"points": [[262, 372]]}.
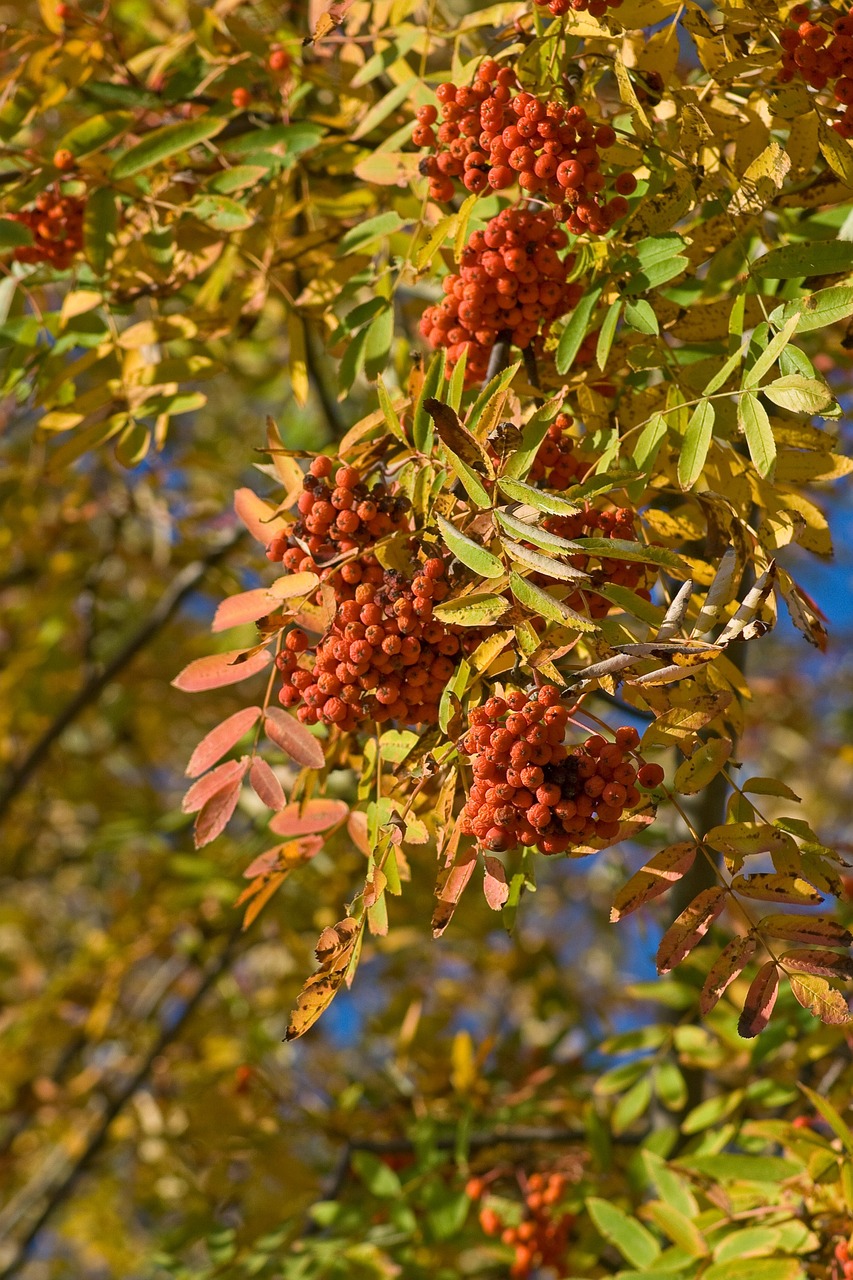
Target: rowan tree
{"points": [[480, 374]]}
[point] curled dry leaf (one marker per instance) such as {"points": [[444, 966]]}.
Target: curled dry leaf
{"points": [[759, 1002], [221, 739], [691, 926], [293, 738], [337, 951], [220, 669], [449, 890]]}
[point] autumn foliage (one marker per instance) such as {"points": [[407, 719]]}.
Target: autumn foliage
{"points": [[552, 303]]}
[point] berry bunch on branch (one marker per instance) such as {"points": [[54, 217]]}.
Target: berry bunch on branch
{"points": [[56, 225], [539, 1236]]}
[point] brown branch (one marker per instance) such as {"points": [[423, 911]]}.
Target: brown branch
{"points": [[181, 586], [61, 1175]]}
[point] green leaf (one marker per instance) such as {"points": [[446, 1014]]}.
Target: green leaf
{"points": [[380, 335], [494, 387], [220, 212], [238, 178], [541, 499], [831, 1116], [771, 353], [697, 442], [470, 481], [753, 420], [678, 1227], [607, 333], [384, 224], [167, 141], [622, 549], [380, 1180], [649, 442], [811, 258], [96, 132], [295, 139], [534, 533], [390, 413], [546, 605], [472, 554], [799, 394], [521, 459], [423, 431], [756, 1269], [725, 371], [640, 317], [575, 331], [817, 310], [480, 609], [637, 1245], [743, 1168], [14, 234]]}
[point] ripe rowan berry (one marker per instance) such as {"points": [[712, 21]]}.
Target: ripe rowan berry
{"points": [[279, 60], [650, 775], [240, 98], [64, 159]]}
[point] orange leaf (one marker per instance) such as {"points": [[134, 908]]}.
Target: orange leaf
{"points": [[221, 739], [731, 961], [248, 606], [220, 669], [759, 1002], [258, 516], [692, 925], [219, 778], [659, 874], [266, 785], [495, 886], [313, 815], [293, 738]]}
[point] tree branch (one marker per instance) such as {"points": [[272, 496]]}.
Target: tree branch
{"points": [[181, 586], [56, 1179]]}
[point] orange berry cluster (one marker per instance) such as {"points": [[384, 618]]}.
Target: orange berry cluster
{"points": [[844, 1270], [819, 49], [590, 522], [531, 789], [385, 657], [511, 285], [595, 8], [556, 464], [542, 1237], [335, 517], [492, 137], [56, 224]]}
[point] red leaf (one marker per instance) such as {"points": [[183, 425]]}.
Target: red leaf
{"points": [[266, 785], [220, 669], [282, 858], [293, 738], [495, 886], [221, 739], [258, 516], [693, 923], [248, 606], [731, 961], [222, 776], [213, 816], [659, 874], [313, 815], [759, 1002], [830, 964]]}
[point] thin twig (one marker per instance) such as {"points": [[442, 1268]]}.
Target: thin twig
{"points": [[181, 586]]}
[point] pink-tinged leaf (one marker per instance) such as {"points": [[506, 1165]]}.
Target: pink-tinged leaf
{"points": [[303, 819], [822, 1000], [731, 961], [692, 925], [220, 669], [222, 776], [450, 889], [248, 606], [495, 886], [282, 857], [294, 739], [294, 584], [266, 785], [221, 739], [759, 1002], [258, 516], [766, 887], [830, 964], [357, 828], [820, 930], [213, 816], [659, 874]]}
